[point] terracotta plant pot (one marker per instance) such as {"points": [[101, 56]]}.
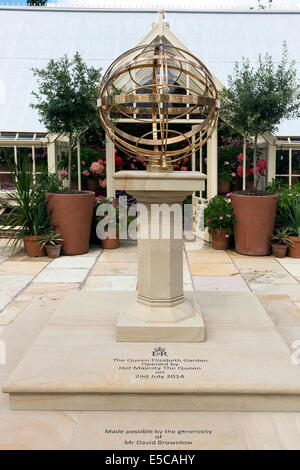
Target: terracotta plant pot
{"points": [[224, 187], [279, 251], [32, 247], [294, 250], [53, 251], [254, 222], [71, 215], [111, 243], [219, 240], [93, 183]]}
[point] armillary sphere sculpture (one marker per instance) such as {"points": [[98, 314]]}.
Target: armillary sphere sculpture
{"points": [[154, 85]]}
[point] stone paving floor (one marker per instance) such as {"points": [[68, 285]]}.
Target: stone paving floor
{"points": [[27, 284]]}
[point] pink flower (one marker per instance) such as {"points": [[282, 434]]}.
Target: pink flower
{"points": [[221, 218], [119, 161], [86, 173], [240, 157], [261, 166], [207, 220], [240, 171], [96, 167], [228, 194], [184, 168], [63, 173], [228, 215], [82, 162], [227, 236]]}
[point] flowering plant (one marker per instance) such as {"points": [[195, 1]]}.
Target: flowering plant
{"points": [[96, 169], [111, 213], [182, 165], [218, 213], [261, 166], [228, 152]]}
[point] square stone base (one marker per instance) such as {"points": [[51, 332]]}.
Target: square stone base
{"points": [[77, 364], [185, 322]]}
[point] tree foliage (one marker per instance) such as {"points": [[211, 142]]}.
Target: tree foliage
{"points": [[37, 3], [66, 95], [258, 98]]}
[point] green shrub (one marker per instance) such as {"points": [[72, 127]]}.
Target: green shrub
{"points": [[218, 213], [287, 208]]}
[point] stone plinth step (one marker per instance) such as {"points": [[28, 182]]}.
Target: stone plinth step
{"points": [[77, 364]]}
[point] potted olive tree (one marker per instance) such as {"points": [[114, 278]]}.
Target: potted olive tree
{"points": [[67, 104], [255, 102]]}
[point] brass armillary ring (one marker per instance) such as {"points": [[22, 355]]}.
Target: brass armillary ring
{"points": [[155, 85]]}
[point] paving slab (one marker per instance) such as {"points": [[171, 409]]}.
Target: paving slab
{"points": [[61, 275], [14, 282], [114, 283], [220, 283], [118, 269], [213, 269], [73, 262], [271, 276], [22, 267]]}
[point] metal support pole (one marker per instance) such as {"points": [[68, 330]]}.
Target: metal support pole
{"points": [[212, 165], [33, 162], [244, 163], [110, 168], [15, 154], [78, 165], [290, 165]]}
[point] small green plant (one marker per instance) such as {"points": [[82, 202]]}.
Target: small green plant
{"points": [[280, 237], [50, 238], [294, 217], [218, 213], [276, 186], [288, 199]]}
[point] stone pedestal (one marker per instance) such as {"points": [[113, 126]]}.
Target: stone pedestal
{"points": [[160, 312]]}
